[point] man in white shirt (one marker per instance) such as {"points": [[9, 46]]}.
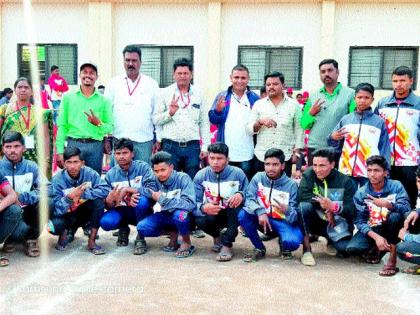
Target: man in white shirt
{"points": [[134, 99], [276, 121], [181, 119], [230, 112]]}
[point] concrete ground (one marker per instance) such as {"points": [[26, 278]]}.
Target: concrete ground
{"points": [[76, 282]]}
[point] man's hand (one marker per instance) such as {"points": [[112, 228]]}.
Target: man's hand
{"points": [[113, 197], [173, 107], [156, 147], [316, 107], [339, 134], [411, 219], [268, 122], [401, 233], [381, 202], [211, 209], [155, 194], [325, 203], [60, 160], [108, 145], [221, 103], [134, 200], [265, 222], [382, 244], [76, 192], [93, 119], [330, 217], [203, 155], [235, 201]]}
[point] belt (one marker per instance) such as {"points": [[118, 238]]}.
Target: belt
{"points": [[85, 140], [182, 144]]}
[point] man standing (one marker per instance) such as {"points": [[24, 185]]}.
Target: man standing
{"points": [[129, 187], [401, 112], [326, 204], [134, 99], [85, 118], [271, 206], [182, 117], [276, 121], [175, 200], [230, 112], [220, 193], [58, 86], [325, 107], [26, 181], [381, 206], [78, 194]]}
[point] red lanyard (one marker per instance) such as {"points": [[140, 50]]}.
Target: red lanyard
{"points": [[182, 99], [135, 87], [27, 121]]}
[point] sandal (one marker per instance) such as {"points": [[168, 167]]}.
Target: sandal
{"points": [[8, 248], [62, 243], [285, 255], [32, 248], [140, 247], [389, 270], [216, 248], [224, 256], [123, 238], [256, 255], [373, 256], [170, 249], [412, 270], [97, 250], [4, 262], [185, 252]]}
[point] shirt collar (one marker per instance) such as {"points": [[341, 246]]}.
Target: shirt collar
{"points": [[95, 92], [335, 92]]}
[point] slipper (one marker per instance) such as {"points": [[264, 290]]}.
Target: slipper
{"points": [[389, 271], [412, 270], [216, 248], [32, 248], [8, 248], [254, 256], [224, 256], [308, 259], [373, 256], [61, 244], [170, 249], [97, 250], [186, 252], [4, 262]]}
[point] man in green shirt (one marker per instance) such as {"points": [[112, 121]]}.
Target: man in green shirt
{"points": [[325, 107], [84, 120]]}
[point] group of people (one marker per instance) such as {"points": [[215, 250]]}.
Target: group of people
{"points": [[361, 165]]}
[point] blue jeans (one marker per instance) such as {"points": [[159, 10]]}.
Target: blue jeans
{"points": [[290, 236], [56, 106], [184, 158], [93, 153], [11, 222], [155, 224], [123, 216], [409, 247]]}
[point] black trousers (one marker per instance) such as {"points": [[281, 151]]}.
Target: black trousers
{"points": [[213, 224], [407, 176], [90, 211]]}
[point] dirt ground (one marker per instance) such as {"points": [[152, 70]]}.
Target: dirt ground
{"points": [[77, 282]]}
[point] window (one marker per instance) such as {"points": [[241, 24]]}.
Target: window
{"points": [[158, 61], [261, 60], [375, 64], [62, 55]]}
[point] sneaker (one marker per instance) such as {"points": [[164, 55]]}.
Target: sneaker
{"points": [[198, 233], [285, 255], [256, 255], [308, 259], [330, 250]]}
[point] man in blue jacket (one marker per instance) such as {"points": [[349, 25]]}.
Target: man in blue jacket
{"points": [[78, 194], [128, 189], [271, 206], [230, 112], [175, 200], [380, 208], [219, 191], [25, 178]]}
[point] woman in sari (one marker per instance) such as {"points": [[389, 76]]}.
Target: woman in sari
{"points": [[20, 116]]}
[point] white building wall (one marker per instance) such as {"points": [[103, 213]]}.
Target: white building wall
{"points": [[64, 23], [166, 24]]}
